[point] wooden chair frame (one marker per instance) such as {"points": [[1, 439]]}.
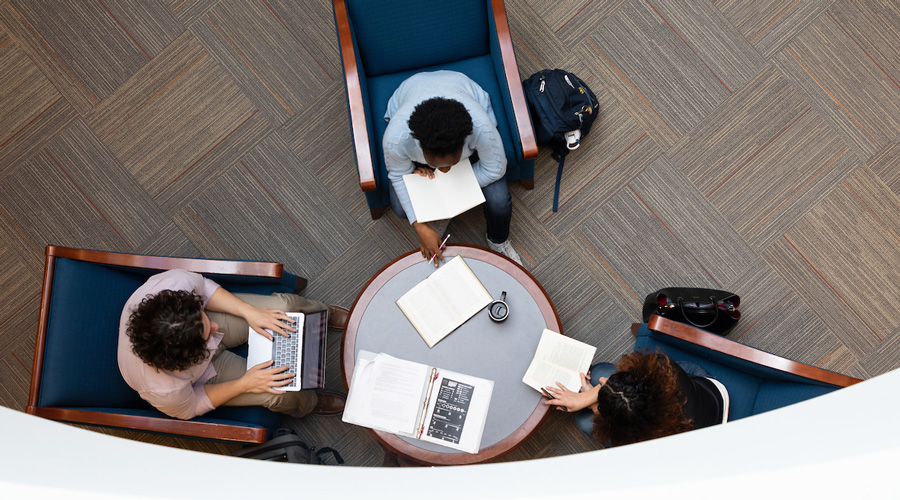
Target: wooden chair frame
{"points": [[723, 345], [357, 107], [165, 425]]}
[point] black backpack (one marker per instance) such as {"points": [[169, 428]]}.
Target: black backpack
{"points": [[560, 104], [287, 446]]}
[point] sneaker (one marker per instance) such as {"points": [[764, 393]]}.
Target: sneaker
{"points": [[506, 249]]}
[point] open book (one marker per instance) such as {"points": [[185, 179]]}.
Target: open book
{"points": [[415, 400], [447, 195], [444, 300], [558, 359]]}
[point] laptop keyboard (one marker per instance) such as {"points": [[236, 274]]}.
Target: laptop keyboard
{"points": [[284, 351]]}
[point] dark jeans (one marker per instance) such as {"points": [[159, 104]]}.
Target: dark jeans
{"points": [[497, 209]]}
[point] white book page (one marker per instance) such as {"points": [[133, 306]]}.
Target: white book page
{"points": [[445, 300], [445, 196], [386, 393], [457, 410], [558, 359]]}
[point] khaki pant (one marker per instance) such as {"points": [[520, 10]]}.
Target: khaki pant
{"points": [[230, 366]]}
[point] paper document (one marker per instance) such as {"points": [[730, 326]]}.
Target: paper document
{"points": [[447, 195], [443, 301], [414, 400], [559, 359]]}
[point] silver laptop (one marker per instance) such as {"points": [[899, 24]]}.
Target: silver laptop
{"points": [[303, 351]]}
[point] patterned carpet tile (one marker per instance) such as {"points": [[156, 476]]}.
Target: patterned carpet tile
{"points": [[90, 167], [656, 73], [567, 282], [180, 125], [316, 137], [691, 221], [606, 179], [775, 187], [312, 23], [839, 258], [15, 367], [770, 24], [188, 11], [735, 133], [24, 92], [573, 21], [150, 25], [846, 84], [20, 290], [884, 164], [88, 40], [49, 208], [253, 44], [534, 49], [873, 26]]}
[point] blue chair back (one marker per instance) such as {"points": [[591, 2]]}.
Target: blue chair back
{"points": [[401, 35], [752, 388]]}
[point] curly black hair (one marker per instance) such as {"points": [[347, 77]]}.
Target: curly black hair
{"points": [[440, 125], [640, 401], [166, 330]]}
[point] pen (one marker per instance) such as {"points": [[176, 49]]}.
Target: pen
{"points": [[439, 248], [434, 376]]}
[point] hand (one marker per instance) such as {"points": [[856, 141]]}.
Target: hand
{"points": [[260, 318], [424, 172], [566, 400], [262, 378], [586, 382], [429, 242]]}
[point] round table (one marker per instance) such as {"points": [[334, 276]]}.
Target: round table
{"points": [[496, 351]]}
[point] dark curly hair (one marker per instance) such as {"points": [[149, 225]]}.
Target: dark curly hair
{"points": [[166, 330], [640, 401], [440, 125]]}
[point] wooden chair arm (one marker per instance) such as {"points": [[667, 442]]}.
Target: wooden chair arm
{"points": [[191, 428], [511, 69], [233, 267], [354, 96], [716, 343]]}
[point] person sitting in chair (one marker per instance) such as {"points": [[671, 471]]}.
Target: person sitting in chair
{"points": [[644, 396], [434, 120], [174, 333]]}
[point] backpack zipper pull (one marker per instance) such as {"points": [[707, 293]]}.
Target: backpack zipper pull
{"points": [[541, 88]]}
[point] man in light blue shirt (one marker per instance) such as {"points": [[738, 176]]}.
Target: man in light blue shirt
{"points": [[434, 120]]}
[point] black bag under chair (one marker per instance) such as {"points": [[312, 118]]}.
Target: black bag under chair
{"points": [[287, 446], [563, 109], [715, 311]]}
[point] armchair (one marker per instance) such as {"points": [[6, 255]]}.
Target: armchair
{"points": [[757, 381], [75, 376], [383, 42]]}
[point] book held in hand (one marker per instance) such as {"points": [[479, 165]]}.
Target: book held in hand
{"points": [[444, 300], [559, 359], [446, 195], [418, 401]]}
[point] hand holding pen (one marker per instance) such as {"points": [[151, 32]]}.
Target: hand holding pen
{"points": [[443, 243]]}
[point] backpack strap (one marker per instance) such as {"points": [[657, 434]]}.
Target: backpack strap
{"points": [[337, 456]]}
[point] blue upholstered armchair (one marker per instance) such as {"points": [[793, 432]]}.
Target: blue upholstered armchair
{"points": [[76, 375], [757, 381], [383, 42]]}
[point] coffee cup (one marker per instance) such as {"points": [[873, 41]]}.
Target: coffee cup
{"points": [[498, 310]]}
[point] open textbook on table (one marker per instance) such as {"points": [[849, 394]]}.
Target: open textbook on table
{"points": [[444, 300], [558, 359], [447, 195], [415, 400]]}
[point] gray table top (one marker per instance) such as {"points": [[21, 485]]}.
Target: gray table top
{"points": [[496, 351]]}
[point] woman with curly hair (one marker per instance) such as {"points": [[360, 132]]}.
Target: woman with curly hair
{"points": [[644, 396], [174, 335], [434, 120]]}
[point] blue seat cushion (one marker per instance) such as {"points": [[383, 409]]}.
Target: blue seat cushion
{"points": [[400, 35], [776, 394]]}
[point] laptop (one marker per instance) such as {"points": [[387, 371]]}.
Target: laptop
{"points": [[303, 351]]}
